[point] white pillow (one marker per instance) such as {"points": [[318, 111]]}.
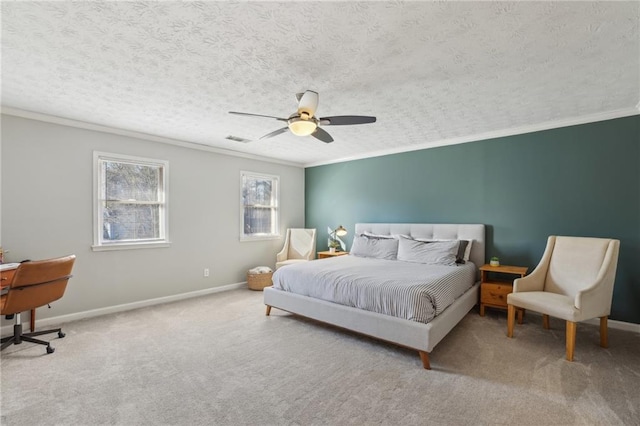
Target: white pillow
{"points": [[377, 248], [434, 252]]}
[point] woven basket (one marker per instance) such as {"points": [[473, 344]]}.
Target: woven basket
{"points": [[259, 281]]}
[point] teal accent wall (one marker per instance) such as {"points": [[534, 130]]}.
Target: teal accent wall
{"points": [[581, 180]]}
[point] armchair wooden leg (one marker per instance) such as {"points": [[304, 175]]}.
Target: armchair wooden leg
{"points": [[604, 337], [520, 315], [268, 310], [545, 321], [571, 339], [511, 319]]}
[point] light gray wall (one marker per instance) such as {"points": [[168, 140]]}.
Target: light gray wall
{"points": [[46, 201]]}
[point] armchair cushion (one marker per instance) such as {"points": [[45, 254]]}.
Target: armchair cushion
{"points": [[556, 305]]}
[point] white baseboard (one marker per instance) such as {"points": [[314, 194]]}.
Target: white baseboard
{"points": [[619, 325], [8, 329]]}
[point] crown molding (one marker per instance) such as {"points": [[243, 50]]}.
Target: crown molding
{"points": [[555, 124], [592, 118], [139, 135]]}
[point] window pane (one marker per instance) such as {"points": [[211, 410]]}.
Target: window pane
{"points": [[257, 191], [259, 206], [126, 181], [130, 221], [258, 220], [130, 201]]}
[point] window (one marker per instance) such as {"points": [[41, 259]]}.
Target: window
{"points": [[259, 206], [130, 202]]}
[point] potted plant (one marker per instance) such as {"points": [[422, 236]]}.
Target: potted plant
{"points": [[333, 245], [494, 261]]}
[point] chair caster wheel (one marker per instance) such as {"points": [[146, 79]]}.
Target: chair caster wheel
{"points": [[50, 350], [61, 334]]}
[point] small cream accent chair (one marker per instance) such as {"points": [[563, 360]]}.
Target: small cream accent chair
{"points": [[573, 281], [299, 246]]}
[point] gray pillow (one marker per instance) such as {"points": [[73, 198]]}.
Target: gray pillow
{"points": [[462, 254], [435, 252], [461, 251], [377, 248]]}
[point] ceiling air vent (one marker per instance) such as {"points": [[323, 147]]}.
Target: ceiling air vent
{"points": [[237, 139]]}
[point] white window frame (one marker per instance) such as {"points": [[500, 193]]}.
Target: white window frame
{"points": [[98, 203], [275, 189]]}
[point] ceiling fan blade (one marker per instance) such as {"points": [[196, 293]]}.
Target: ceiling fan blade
{"points": [[308, 103], [341, 120], [322, 135], [275, 133], [257, 115]]}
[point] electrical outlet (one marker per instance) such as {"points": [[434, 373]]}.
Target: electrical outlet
{"points": [[206, 272]]}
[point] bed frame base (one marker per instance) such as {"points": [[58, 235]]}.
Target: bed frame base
{"points": [[424, 356], [409, 334]]}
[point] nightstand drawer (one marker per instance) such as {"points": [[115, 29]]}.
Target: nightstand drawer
{"points": [[495, 294], [497, 283]]}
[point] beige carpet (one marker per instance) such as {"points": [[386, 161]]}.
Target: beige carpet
{"points": [[218, 360]]}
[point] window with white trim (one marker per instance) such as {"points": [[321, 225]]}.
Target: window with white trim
{"points": [[259, 206], [130, 202]]}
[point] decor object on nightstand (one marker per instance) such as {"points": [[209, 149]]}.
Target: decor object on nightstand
{"points": [[334, 241], [494, 261], [259, 277]]}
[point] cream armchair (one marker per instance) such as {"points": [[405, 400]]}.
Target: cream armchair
{"points": [[299, 246], [573, 281]]}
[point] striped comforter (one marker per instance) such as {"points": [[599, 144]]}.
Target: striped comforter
{"points": [[412, 291]]}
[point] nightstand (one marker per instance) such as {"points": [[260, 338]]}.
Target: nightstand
{"points": [[325, 254], [495, 288]]}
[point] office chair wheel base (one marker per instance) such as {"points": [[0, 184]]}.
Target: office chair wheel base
{"points": [[50, 350], [61, 334]]}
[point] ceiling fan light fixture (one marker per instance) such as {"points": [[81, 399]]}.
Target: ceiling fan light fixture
{"points": [[301, 127], [305, 123]]}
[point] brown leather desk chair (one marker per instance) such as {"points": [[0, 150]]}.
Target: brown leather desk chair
{"points": [[35, 284]]}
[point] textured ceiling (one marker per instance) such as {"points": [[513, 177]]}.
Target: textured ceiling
{"points": [[430, 71]]}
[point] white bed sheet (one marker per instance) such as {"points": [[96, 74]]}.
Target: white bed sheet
{"points": [[412, 291]]}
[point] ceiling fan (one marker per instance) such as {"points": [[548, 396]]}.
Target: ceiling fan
{"points": [[305, 123]]}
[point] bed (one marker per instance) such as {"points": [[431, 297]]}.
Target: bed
{"points": [[408, 330]]}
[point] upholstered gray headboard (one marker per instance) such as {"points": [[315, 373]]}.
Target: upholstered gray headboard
{"points": [[437, 231]]}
